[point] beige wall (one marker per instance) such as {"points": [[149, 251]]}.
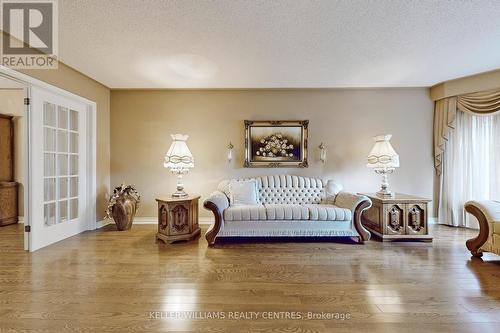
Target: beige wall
{"points": [[465, 85], [71, 80], [344, 119], [12, 103]]}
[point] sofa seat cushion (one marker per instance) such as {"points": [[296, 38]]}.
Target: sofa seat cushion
{"points": [[328, 213], [245, 213], [496, 228], [286, 212]]}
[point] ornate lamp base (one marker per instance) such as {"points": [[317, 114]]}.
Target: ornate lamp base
{"points": [[384, 187], [384, 193], [180, 188], [179, 194]]}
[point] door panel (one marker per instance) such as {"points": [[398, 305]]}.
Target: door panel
{"points": [[57, 168]]}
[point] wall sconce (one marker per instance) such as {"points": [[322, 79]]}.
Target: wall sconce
{"points": [[230, 152], [322, 153]]}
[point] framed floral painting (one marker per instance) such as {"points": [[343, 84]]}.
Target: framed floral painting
{"points": [[276, 143]]}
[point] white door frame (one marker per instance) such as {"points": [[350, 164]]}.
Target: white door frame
{"points": [[29, 81]]}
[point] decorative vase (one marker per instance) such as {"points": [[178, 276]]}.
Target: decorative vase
{"points": [[123, 205], [123, 211]]}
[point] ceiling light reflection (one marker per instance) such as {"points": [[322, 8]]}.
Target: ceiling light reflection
{"points": [[179, 70]]}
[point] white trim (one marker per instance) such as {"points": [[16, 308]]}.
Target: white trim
{"points": [[102, 223], [92, 164], [26, 167], [26, 79], [432, 220], [145, 220], [137, 220], [154, 220], [206, 220]]}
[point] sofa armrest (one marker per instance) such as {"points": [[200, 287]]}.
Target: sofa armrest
{"points": [[485, 212], [357, 204], [217, 202]]}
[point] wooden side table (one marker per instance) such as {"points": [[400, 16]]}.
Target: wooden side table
{"points": [[402, 217], [177, 218]]}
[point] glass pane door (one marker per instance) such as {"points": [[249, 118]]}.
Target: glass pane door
{"points": [[61, 159], [58, 168]]}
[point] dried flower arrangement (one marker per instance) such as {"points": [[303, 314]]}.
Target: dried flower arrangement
{"points": [[118, 192]]}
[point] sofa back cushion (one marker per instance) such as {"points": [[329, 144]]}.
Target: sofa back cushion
{"points": [[287, 189]]}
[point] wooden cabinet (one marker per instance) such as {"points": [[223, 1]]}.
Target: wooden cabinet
{"points": [[177, 218], [8, 188], [8, 203], [402, 217]]}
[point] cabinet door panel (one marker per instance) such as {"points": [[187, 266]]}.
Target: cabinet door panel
{"points": [[394, 217], [179, 219], [416, 219]]}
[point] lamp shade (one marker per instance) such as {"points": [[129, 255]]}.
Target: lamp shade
{"points": [[382, 154], [178, 157]]}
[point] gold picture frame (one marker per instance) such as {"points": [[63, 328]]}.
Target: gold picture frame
{"points": [[276, 143]]}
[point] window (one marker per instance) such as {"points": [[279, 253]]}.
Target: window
{"points": [[470, 166]]}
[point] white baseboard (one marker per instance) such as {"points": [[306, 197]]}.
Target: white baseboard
{"points": [[206, 220], [103, 223], [145, 220], [153, 220]]}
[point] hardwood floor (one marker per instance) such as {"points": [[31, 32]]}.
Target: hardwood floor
{"points": [[126, 282]]}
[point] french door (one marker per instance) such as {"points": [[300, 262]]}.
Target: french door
{"points": [[58, 162]]}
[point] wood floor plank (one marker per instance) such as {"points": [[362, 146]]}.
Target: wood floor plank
{"points": [[113, 281]]}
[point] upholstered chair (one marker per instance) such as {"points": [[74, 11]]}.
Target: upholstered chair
{"points": [[488, 215]]}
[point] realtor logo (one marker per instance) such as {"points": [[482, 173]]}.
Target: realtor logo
{"points": [[29, 38]]}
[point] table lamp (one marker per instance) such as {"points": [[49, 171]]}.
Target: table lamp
{"points": [[384, 160], [179, 160]]}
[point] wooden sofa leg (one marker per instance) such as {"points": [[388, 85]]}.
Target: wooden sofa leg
{"points": [[362, 231], [474, 244], [212, 232]]}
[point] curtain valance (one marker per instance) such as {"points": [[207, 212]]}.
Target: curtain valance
{"points": [[483, 103]]}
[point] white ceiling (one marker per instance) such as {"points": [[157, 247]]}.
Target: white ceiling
{"points": [[278, 43]]}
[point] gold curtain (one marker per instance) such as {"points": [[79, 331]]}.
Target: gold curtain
{"points": [[483, 103], [445, 113]]}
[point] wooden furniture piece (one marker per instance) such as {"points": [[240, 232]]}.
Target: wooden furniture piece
{"points": [[403, 217], [8, 188], [177, 218]]}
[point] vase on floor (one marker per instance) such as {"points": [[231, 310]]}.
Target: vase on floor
{"points": [[123, 206]]}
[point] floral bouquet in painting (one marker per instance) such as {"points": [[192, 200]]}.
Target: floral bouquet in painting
{"points": [[275, 145]]}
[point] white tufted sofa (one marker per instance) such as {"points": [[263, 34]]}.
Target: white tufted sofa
{"points": [[289, 206]]}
